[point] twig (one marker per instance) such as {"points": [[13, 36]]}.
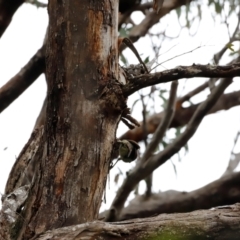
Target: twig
{"points": [[144, 6], [129, 125], [163, 126], [233, 163], [176, 56], [148, 179], [144, 129], [37, 3], [192, 93], [219, 55]]}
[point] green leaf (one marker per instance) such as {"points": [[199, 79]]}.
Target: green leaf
{"points": [[199, 11], [123, 32], [186, 148], [164, 144], [230, 47], [164, 100], [123, 59], [187, 16], [146, 60], [218, 7], [179, 11]]}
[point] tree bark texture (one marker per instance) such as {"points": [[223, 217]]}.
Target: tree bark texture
{"points": [[216, 224], [84, 107]]}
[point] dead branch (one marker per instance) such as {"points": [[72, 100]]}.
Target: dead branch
{"points": [[223, 191], [218, 224], [180, 72], [22, 80]]}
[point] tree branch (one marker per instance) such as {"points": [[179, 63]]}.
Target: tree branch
{"points": [[194, 92], [180, 72], [167, 119], [24, 167], [223, 191], [22, 80], [216, 224], [7, 10], [37, 3], [152, 18], [140, 172]]}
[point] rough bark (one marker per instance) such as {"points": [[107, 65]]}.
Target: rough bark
{"points": [[84, 105], [216, 224]]}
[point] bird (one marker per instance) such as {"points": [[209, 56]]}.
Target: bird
{"points": [[128, 150]]}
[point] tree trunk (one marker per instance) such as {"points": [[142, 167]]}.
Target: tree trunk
{"points": [[84, 106]]}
